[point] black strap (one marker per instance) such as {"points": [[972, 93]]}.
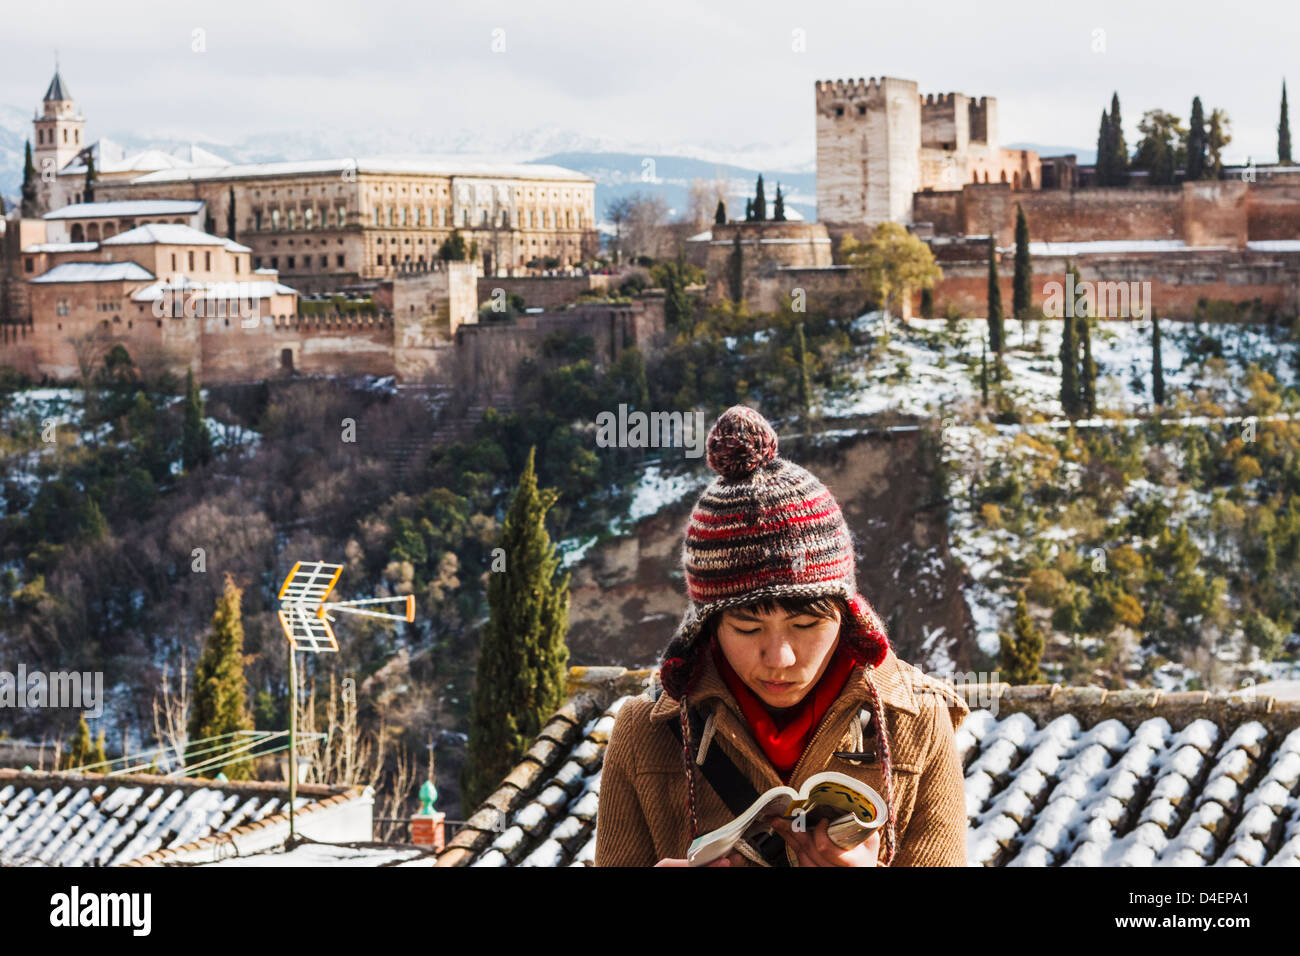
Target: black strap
{"points": [[733, 787]]}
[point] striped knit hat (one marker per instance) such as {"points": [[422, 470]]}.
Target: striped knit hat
{"points": [[766, 528]]}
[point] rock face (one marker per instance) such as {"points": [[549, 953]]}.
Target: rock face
{"points": [[628, 594]]}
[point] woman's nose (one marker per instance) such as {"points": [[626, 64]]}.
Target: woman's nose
{"points": [[779, 652]]}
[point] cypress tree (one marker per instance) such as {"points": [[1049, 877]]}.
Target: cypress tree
{"points": [[778, 214], [522, 669], [720, 214], [1284, 131], [1022, 653], [995, 302], [927, 303], [3, 210], [749, 210], [219, 703], [1069, 368], [79, 751], [1021, 293], [1118, 161], [28, 208], [1196, 142], [88, 191], [230, 214], [736, 270], [1102, 166], [984, 373], [1087, 370], [196, 443], [1157, 365], [760, 201], [801, 362]]}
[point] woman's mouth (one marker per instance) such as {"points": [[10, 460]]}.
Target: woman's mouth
{"points": [[777, 686]]}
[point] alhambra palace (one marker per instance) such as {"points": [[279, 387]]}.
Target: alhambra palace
{"points": [[236, 271]]}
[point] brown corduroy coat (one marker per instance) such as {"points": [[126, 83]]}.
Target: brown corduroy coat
{"points": [[643, 818]]}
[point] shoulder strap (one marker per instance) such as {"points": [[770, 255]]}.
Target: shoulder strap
{"points": [[732, 786]]}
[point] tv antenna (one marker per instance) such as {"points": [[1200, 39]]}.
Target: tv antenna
{"points": [[305, 616]]}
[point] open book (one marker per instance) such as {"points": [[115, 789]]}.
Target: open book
{"points": [[853, 808]]}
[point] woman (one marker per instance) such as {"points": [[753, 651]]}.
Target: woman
{"points": [[786, 670]]}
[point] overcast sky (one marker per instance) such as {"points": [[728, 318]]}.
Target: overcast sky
{"points": [[656, 72]]}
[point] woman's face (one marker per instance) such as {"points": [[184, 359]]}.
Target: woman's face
{"points": [[780, 656]]}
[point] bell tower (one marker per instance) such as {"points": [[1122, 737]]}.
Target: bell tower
{"points": [[60, 136]]}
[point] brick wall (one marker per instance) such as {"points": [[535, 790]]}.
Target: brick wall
{"points": [[545, 292]]}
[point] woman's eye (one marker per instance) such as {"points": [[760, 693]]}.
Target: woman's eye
{"points": [[804, 627], [754, 631]]}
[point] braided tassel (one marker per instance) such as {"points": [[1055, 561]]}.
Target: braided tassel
{"points": [[690, 767], [886, 766]]}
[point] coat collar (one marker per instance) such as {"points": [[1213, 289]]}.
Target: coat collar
{"points": [[892, 684]]}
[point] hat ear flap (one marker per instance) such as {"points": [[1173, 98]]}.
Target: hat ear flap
{"points": [[864, 635]]}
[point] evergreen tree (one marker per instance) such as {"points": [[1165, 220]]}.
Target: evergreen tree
{"points": [[88, 191], [196, 443], [749, 210], [720, 214], [230, 214], [803, 386], [984, 373], [3, 210], [1087, 370], [1102, 166], [927, 303], [760, 201], [93, 525], [1069, 368], [28, 208], [522, 669], [778, 214], [995, 303], [99, 754], [1216, 138], [1021, 286], [1118, 149], [453, 248], [1157, 364], [1022, 653], [1284, 131], [79, 751], [736, 270], [219, 707], [1196, 158]]}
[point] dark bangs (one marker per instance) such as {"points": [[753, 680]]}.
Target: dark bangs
{"points": [[823, 607]]}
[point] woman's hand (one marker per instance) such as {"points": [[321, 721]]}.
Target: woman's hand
{"points": [[731, 859], [816, 848]]}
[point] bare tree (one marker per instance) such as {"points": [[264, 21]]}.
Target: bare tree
{"points": [[619, 212], [171, 716]]}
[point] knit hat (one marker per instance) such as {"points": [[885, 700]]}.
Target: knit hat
{"points": [[766, 528]]}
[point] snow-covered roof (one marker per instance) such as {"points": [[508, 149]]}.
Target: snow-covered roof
{"points": [[71, 819], [428, 166], [1105, 246], [61, 247], [212, 290], [127, 207], [95, 272], [170, 234], [113, 157], [1054, 776], [1274, 245]]}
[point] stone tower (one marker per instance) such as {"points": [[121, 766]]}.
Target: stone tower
{"points": [[60, 136], [868, 151]]}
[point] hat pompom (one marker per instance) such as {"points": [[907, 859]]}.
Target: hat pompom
{"points": [[740, 442]]}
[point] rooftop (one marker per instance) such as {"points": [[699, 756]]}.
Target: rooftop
{"points": [[427, 166], [95, 272], [87, 819], [1055, 776], [170, 234], [128, 207]]}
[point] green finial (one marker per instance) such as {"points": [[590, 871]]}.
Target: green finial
{"points": [[428, 794], [221, 777]]}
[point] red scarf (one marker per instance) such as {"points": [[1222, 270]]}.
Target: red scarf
{"points": [[784, 740]]}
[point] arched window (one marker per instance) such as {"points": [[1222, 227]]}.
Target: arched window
{"points": [[293, 219], [275, 219], [1015, 180], [1003, 176], [78, 234], [307, 218], [1029, 180], [341, 217], [376, 215], [986, 175], [92, 232]]}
